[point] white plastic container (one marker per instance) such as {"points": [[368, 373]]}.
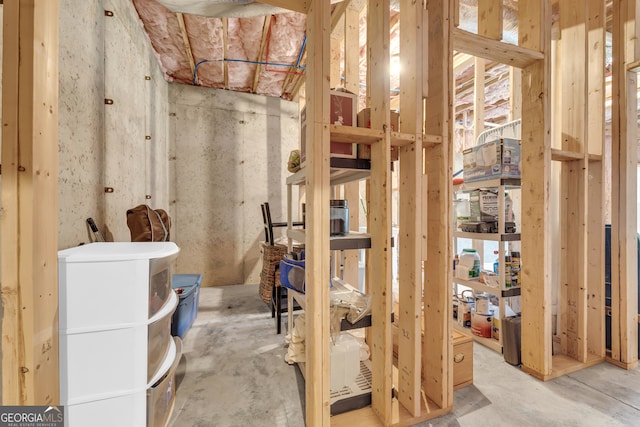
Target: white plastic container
{"points": [[345, 361], [470, 260], [108, 284]]}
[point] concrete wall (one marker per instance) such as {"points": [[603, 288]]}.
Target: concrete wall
{"points": [[105, 145], [229, 153]]}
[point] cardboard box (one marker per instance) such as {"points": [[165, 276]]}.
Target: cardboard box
{"points": [[462, 352], [364, 121], [496, 159], [344, 106]]}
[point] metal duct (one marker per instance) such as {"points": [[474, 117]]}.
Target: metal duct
{"points": [[227, 8]]}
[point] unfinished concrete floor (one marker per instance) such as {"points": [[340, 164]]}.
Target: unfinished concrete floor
{"points": [[233, 374]]}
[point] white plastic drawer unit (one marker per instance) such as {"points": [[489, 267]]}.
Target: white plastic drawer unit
{"points": [[106, 284]]}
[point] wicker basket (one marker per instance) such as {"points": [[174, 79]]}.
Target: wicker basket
{"points": [[271, 256]]}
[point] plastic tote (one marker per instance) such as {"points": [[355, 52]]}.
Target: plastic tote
{"points": [[187, 286]]}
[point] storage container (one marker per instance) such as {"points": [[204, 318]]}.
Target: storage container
{"points": [[339, 217], [161, 395], [187, 310], [345, 361], [100, 283], [481, 325], [103, 363]]}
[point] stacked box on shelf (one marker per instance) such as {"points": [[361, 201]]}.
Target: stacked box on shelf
{"points": [[495, 159]]}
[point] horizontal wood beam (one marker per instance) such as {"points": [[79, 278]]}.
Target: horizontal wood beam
{"points": [[505, 53], [301, 6]]}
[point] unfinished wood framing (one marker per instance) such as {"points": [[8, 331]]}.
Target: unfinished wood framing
{"points": [[28, 224], [438, 345], [317, 235], [185, 42], [410, 218], [379, 282], [352, 84], [263, 44], [534, 22], [624, 285]]}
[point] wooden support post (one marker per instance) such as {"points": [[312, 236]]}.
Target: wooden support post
{"points": [[573, 301], [380, 218], [410, 217], [352, 84], [317, 236], [624, 269], [596, 23], [438, 345], [490, 19], [534, 22], [28, 224]]}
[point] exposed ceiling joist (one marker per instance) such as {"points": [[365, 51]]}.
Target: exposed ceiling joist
{"points": [[263, 43], [301, 6], [185, 41], [225, 44]]}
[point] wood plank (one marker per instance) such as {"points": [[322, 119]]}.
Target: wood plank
{"points": [[352, 84], [185, 42], [596, 173], [504, 53], [317, 238], [410, 216], [574, 176], [301, 6], [380, 217], [565, 155], [438, 347], [263, 44], [478, 98], [490, 19], [515, 93], [534, 21], [564, 365], [624, 290], [400, 139], [29, 225], [354, 135], [225, 44]]}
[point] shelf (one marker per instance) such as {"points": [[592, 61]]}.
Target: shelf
{"points": [[488, 183], [355, 135], [487, 342], [353, 240], [479, 286], [341, 171], [496, 237], [353, 396]]}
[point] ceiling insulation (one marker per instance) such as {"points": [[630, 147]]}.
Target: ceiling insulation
{"points": [[221, 8]]}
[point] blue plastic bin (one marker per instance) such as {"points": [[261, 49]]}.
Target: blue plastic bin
{"points": [[187, 309]]}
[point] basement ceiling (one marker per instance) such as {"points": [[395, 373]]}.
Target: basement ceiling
{"points": [[233, 45]]}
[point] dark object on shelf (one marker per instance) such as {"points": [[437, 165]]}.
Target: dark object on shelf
{"points": [[269, 224], [511, 340], [487, 227], [339, 217], [187, 286]]}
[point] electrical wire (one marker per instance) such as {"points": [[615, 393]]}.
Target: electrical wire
{"points": [[275, 64]]}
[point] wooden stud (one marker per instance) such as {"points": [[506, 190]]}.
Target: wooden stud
{"points": [[410, 217], [490, 19], [352, 84], [185, 42], [225, 44], [28, 224], [573, 302], [380, 217], [515, 93], [595, 185], [624, 327], [478, 98], [263, 44], [317, 235], [438, 345], [534, 22]]}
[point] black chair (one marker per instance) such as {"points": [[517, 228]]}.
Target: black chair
{"points": [[279, 293]]}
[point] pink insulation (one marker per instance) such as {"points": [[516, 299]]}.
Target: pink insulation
{"points": [[206, 39], [287, 34], [161, 25]]}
